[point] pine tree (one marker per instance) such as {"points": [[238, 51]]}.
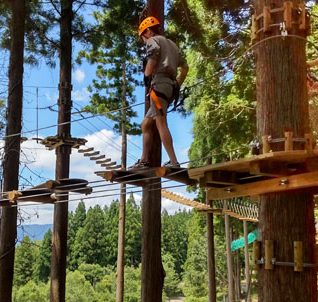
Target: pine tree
{"points": [[90, 244], [43, 262], [25, 256], [76, 221]]}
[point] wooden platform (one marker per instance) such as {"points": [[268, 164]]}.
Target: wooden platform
{"points": [[46, 192], [266, 173], [140, 177]]}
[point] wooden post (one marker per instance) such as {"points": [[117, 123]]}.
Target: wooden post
{"points": [[288, 141], [211, 255], [266, 18], [288, 5], [8, 227], [308, 142], [229, 258], [247, 262], [60, 223], [298, 256], [152, 273], [122, 201], [266, 147]]}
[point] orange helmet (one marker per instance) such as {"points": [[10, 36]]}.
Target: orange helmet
{"points": [[146, 23]]}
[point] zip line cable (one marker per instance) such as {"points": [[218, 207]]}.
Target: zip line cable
{"points": [[101, 196], [121, 178], [64, 123], [110, 127]]}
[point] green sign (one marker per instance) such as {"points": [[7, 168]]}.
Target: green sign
{"points": [[239, 243]]}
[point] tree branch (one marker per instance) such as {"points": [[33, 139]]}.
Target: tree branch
{"points": [[55, 7]]}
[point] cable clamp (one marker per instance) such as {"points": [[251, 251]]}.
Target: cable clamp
{"points": [[283, 31]]}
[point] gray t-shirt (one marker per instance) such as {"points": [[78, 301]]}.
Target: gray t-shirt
{"points": [[167, 55]]}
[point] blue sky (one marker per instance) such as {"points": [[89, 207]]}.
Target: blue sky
{"points": [[38, 164]]}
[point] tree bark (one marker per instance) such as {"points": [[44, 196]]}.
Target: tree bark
{"points": [[122, 201], [12, 147], [152, 273], [211, 256], [59, 235], [285, 217]]}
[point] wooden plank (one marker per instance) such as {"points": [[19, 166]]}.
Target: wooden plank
{"points": [[176, 174], [109, 164], [243, 165], [103, 161], [280, 184], [89, 154], [298, 256], [97, 157], [133, 177], [219, 177], [85, 150]]}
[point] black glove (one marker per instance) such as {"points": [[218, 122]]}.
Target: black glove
{"points": [[147, 81]]}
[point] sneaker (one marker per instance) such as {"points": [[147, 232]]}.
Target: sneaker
{"points": [[168, 164], [140, 165]]}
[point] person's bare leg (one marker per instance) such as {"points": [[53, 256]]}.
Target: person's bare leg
{"points": [[165, 136], [146, 138]]}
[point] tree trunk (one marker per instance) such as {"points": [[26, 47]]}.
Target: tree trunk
{"points": [[122, 201], [285, 217], [59, 235], [12, 147], [152, 273], [211, 258]]}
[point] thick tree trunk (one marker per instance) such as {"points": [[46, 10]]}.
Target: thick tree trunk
{"points": [[59, 235], [12, 148], [287, 217], [152, 273]]}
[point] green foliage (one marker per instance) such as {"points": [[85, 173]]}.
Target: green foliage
{"points": [[106, 288], [90, 244], [25, 256], [78, 289], [175, 237], [43, 262], [114, 50], [171, 281], [221, 79], [195, 268], [31, 292], [133, 233], [92, 272], [132, 283], [76, 221]]}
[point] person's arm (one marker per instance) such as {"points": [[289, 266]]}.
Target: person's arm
{"points": [[150, 67], [183, 71]]}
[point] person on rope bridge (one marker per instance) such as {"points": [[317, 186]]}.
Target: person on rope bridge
{"points": [[164, 73]]}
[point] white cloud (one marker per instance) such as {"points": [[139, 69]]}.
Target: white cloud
{"points": [[81, 95], [79, 75]]}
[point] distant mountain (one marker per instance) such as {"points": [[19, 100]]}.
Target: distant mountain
{"points": [[34, 231]]}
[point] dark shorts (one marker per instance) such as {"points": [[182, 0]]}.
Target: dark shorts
{"points": [[167, 90]]}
